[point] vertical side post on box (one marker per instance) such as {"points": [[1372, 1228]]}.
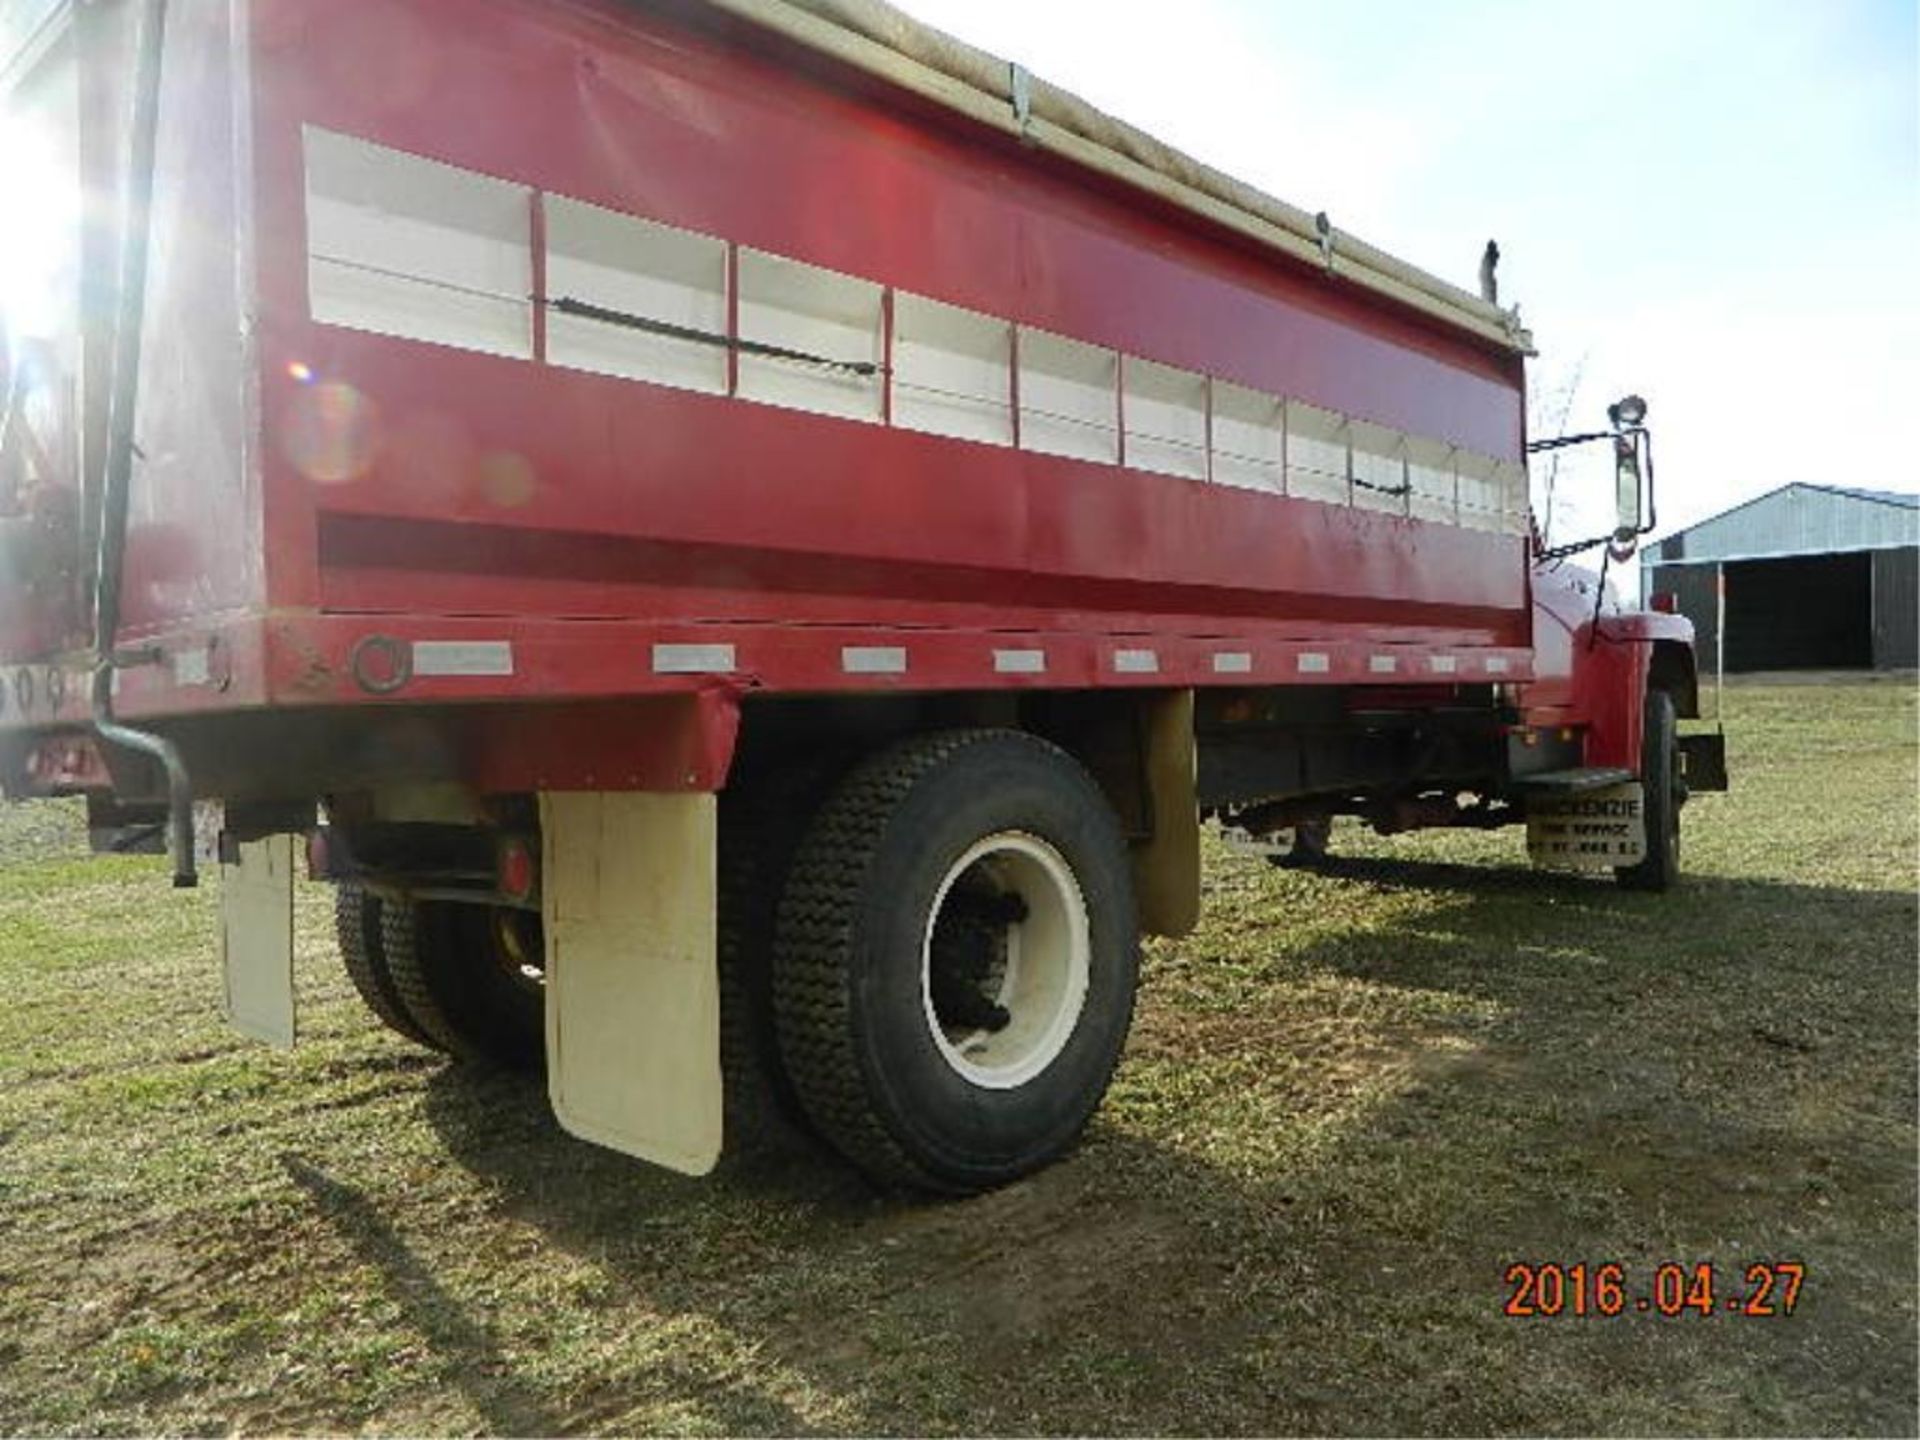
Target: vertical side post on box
{"points": [[633, 989], [256, 939]]}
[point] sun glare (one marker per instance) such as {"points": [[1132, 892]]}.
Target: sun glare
{"points": [[40, 199]]}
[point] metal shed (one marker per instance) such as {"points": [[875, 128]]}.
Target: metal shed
{"points": [[1813, 577]]}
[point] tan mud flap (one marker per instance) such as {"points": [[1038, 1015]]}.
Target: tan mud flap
{"points": [[633, 989], [1589, 829], [256, 939], [1166, 869]]}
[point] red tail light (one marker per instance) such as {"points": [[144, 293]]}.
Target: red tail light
{"points": [[1665, 601], [516, 872]]}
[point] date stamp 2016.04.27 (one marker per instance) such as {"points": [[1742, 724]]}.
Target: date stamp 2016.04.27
{"points": [[1763, 1289]]}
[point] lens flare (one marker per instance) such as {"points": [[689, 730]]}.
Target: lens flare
{"points": [[506, 479], [331, 433], [300, 372]]}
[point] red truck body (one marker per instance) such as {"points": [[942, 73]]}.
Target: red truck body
{"points": [[421, 492], [532, 389]]}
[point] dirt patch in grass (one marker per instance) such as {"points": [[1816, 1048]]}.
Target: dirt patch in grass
{"points": [[1353, 1099]]}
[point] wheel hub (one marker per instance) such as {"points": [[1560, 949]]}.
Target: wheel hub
{"points": [[1005, 960]]}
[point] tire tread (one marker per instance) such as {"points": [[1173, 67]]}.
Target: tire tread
{"points": [[758, 819], [358, 928], [1659, 871], [818, 915], [408, 961]]}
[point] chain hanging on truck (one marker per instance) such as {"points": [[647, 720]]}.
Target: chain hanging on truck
{"points": [[1405, 487], [626, 320]]}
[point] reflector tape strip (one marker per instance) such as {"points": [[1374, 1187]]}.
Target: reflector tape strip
{"points": [[1313, 663], [1496, 665], [1233, 662], [1383, 664], [1443, 664], [462, 657], [1136, 662], [693, 659], [1020, 662], [874, 659]]}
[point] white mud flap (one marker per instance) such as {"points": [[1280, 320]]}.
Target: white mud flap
{"points": [[1588, 830], [633, 986], [256, 940]]}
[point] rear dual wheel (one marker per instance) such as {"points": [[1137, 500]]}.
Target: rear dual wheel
{"points": [[933, 961], [462, 979], [763, 817], [955, 960]]}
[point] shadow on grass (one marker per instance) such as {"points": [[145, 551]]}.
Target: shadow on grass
{"points": [[1627, 1099], [507, 1407], [1486, 917]]}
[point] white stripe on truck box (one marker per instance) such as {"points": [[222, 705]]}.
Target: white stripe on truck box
{"points": [[952, 373], [1020, 662]]}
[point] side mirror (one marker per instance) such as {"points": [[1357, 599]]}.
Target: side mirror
{"points": [[1633, 500], [1627, 488]]}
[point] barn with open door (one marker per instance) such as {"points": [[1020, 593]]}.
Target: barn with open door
{"points": [[1816, 577]]}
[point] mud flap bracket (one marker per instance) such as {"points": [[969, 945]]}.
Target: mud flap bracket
{"points": [[633, 992]]}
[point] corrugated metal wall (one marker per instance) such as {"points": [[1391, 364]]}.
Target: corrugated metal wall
{"points": [[1816, 577], [1896, 609], [1797, 520], [1815, 611]]}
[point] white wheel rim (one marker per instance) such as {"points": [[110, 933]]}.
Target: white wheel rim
{"points": [[1042, 983]]}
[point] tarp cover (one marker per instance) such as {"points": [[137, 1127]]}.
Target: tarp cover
{"points": [[882, 39]]}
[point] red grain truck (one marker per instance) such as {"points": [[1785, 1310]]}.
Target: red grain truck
{"points": [[748, 536]]}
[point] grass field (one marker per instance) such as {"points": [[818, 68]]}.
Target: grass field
{"points": [[1351, 1101]]}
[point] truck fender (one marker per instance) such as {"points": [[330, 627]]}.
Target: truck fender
{"points": [[1671, 666], [632, 982]]}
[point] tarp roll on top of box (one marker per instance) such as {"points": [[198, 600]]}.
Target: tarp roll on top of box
{"points": [[874, 36]]}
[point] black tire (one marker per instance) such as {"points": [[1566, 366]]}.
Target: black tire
{"points": [[356, 925], [763, 817], [458, 978], [854, 1003], [1665, 794]]}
